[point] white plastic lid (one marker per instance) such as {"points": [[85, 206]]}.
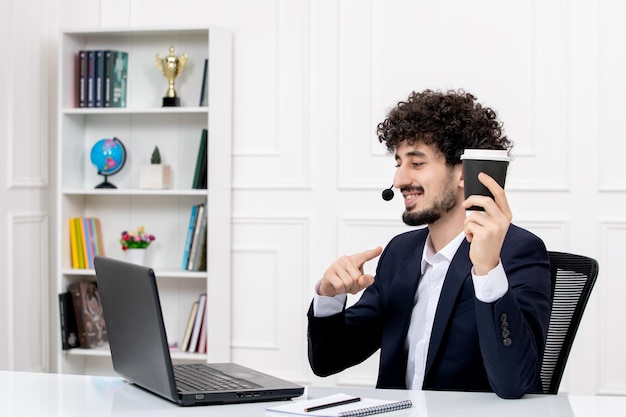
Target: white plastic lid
{"points": [[486, 154]]}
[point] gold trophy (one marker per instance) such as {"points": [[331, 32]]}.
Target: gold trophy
{"points": [[171, 66]]}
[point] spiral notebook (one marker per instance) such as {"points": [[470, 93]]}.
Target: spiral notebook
{"points": [[362, 407]]}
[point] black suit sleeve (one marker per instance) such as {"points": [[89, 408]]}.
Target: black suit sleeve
{"points": [[512, 330], [340, 341]]}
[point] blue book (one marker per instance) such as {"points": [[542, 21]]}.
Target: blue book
{"points": [[190, 230], [99, 79]]}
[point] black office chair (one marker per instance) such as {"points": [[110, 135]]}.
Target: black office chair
{"points": [[573, 277]]}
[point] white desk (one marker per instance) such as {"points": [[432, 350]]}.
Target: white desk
{"points": [[33, 394]]}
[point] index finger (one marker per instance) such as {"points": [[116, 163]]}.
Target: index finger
{"points": [[497, 191], [362, 257]]}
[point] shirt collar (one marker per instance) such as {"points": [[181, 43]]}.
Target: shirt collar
{"points": [[447, 253]]}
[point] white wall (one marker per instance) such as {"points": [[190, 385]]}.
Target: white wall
{"points": [[312, 79]]}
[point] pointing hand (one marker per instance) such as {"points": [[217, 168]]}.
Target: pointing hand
{"points": [[346, 275]]}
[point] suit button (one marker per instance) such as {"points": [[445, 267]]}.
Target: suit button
{"points": [[504, 325], [505, 333], [503, 317], [507, 342]]}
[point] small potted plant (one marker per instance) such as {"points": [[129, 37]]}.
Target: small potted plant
{"points": [[135, 243], [154, 175]]}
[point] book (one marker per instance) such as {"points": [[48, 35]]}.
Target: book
{"points": [[82, 79], [99, 79], [87, 241], [88, 310], [190, 321], [91, 78], [69, 331], [202, 182], [200, 161], [203, 88], [97, 236], [119, 75], [202, 258], [79, 243], [73, 244], [202, 341], [201, 244], [195, 243], [80, 225], [108, 74], [352, 407], [189, 238], [197, 324]]}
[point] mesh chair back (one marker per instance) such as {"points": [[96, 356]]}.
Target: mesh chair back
{"points": [[573, 277]]}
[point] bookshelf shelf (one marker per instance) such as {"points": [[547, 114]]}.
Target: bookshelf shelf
{"points": [[103, 352], [134, 192], [160, 273], [165, 213], [129, 111]]}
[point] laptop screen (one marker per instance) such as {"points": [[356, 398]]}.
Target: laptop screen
{"points": [[132, 312]]}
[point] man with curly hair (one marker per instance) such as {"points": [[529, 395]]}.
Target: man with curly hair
{"points": [[462, 304]]}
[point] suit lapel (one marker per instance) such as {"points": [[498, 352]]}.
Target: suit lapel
{"points": [[460, 269], [404, 289], [398, 317]]}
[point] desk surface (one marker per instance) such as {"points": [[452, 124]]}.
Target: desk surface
{"points": [[34, 394]]}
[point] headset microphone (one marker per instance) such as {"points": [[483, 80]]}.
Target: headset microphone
{"points": [[388, 193]]}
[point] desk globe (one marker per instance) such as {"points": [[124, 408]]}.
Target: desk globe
{"points": [[109, 156]]}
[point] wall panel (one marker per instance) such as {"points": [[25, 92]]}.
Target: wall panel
{"points": [[611, 84], [28, 305], [609, 294], [268, 313]]}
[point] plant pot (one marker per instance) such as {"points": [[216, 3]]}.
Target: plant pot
{"points": [[136, 256], [154, 176]]}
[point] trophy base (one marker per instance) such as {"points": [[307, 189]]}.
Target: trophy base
{"points": [[171, 101]]}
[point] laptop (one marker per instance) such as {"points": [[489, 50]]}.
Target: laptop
{"points": [[140, 353]]}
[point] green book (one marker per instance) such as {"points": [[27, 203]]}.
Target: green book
{"points": [[119, 76], [200, 162]]}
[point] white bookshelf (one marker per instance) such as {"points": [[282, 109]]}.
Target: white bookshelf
{"points": [[142, 125]]}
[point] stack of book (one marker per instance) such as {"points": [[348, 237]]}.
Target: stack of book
{"points": [[82, 322], [194, 253], [102, 76], [85, 241], [194, 339]]}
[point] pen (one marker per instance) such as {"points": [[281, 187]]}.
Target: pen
{"points": [[335, 404]]}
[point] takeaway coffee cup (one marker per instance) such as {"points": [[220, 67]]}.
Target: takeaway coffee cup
{"points": [[492, 162]]}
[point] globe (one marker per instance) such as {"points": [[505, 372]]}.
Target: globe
{"points": [[109, 156]]}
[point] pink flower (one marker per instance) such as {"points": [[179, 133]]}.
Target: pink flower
{"points": [[136, 240]]}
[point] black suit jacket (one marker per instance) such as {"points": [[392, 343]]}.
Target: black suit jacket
{"points": [[474, 346]]}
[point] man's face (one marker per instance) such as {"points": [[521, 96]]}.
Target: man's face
{"points": [[429, 187]]}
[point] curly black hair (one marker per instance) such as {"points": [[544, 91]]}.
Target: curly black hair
{"points": [[453, 121]]}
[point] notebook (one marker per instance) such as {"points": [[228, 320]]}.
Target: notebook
{"points": [[339, 405], [140, 353]]}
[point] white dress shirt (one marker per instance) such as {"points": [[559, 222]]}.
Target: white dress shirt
{"points": [[434, 267]]}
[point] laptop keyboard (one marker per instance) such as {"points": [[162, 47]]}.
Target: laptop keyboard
{"points": [[197, 377]]}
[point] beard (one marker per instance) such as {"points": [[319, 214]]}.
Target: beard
{"points": [[445, 204]]}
